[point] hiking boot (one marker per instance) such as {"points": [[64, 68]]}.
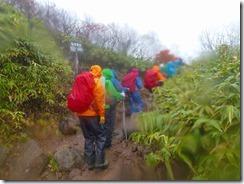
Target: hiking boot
{"points": [[102, 166], [91, 167]]}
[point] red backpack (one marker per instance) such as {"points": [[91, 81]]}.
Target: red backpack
{"points": [[81, 95], [150, 79], [129, 81]]}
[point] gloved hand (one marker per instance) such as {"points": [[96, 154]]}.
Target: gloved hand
{"points": [[102, 120], [123, 94]]}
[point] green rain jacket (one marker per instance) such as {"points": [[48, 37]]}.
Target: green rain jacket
{"points": [[111, 94]]}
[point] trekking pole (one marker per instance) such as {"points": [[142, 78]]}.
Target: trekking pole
{"points": [[123, 102]]}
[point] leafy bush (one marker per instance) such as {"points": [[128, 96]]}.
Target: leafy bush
{"points": [[33, 80]]}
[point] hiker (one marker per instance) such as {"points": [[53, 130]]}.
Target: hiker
{"points": [[91, 122], [134, 83], [112, 98], [160, 76], [168, 69], [153, 78], [172, 67]]}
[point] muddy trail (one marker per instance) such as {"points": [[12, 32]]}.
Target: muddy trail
{"points": [[126, 158], [126, 161]]}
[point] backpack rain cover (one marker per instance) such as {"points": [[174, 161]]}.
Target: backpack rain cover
{"points": [[150, 79], [81, 95], [129, 81]]}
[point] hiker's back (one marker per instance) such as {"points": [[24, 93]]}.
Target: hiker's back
{"points": [[129, 81], [150, 79]]}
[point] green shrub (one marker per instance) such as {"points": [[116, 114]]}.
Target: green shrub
{"points": [[34, 79]]}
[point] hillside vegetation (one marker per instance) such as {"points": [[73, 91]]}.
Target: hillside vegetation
{"points": [[197, 119]]}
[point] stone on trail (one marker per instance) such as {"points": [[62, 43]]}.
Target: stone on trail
{"points": [[29, 163], [68, 158]]}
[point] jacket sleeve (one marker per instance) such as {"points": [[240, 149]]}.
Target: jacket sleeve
{"points": [[99, 97], [118, 86], [138, 83], [112, 91]]}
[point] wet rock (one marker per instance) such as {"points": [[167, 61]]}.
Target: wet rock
{"points": [[68, 126], [29, 163], [68, 158]]}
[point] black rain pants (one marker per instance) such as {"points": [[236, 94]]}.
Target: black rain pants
{"points": [[95, 138]]}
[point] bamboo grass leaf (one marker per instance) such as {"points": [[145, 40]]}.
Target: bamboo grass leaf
{"points": [[215, 124], [187, 161], [200, 121]]}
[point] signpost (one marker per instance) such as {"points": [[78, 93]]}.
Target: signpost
{"points": [[76, 47]]}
